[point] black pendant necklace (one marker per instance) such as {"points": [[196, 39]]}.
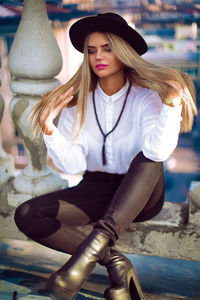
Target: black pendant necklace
{"points": [[99, 125]]}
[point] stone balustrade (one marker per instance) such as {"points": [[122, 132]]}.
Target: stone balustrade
{"points": [[34, 61]]}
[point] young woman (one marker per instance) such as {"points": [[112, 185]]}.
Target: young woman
{"points": [[120, 119]]}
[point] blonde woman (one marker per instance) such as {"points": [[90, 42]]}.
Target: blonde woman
{"points": [[120, 119]]}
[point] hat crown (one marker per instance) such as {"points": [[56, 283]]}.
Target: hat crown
{"points": [[106, 22], [112, 17]]}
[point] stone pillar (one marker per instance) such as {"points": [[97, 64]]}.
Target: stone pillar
{"points": [[6, 160], [34, 60], [194, 205]]}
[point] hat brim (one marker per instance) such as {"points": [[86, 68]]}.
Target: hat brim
{"points": [[83, 27]]}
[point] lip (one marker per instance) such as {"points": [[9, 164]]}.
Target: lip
{"points": [[100, 66]]}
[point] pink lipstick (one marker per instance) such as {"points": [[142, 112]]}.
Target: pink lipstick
{"points": [[101, 66]]}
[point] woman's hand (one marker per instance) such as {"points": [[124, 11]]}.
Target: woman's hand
{"points": [[173, 102], [52, 108], [174, 94]]}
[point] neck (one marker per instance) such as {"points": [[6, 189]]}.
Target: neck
{"points": [[111, 86]]}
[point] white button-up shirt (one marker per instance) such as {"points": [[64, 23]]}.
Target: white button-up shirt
{"points": [[146, 125]]}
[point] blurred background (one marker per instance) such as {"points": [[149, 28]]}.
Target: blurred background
{"points": [[166, 251], [172, 31]]}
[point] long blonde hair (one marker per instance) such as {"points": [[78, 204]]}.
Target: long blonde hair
{"points": [[169, 83]]}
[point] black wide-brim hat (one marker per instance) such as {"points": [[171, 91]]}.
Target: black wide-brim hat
{"points": [[107, 22]]}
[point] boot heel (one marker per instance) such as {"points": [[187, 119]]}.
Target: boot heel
{"points": [[133, 291], [134, 286], [117, 294]]}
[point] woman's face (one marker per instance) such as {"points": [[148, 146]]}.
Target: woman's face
{"points": [[101, 59]]}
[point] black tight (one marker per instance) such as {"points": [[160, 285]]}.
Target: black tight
{"points": [[109, 201]]}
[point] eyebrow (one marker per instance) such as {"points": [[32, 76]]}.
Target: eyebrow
{"points": [[89, 46]]}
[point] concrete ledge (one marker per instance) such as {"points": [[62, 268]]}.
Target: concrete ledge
{"points": [[194, 205], [174, 233], [167, 235]]}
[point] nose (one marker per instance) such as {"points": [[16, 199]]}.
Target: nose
{"points": [[98, 54]]}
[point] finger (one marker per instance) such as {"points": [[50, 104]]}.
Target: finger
{"points": [[59, 106], [45, 111], [69, 91], [52, 107], [43, 115], [52, 94], [47, 104], [56, 99], [63, 100], [51, 111], [69, 99]]}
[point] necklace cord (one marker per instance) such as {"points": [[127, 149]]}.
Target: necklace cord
{"points": [[104, 160]]}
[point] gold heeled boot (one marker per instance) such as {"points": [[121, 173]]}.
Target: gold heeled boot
{"points": [[123, 279], [67, 281]]}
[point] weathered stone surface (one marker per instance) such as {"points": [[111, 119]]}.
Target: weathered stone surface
{"points": [[166, 241], [167, 235], [4, 176], [7, 224], [194, 194], [194, 205]]}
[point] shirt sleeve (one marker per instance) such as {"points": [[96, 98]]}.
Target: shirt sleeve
{"points": [[160, 125], [68, 155]]}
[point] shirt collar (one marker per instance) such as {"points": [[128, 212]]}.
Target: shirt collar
{"points": [[115, 96]]}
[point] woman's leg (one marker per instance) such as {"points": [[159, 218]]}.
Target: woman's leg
{"points": [[134, 195], [52, 219], [139, 197], [38, 218]]}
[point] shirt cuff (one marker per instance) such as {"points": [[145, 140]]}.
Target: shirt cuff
{"points": [[53, 138], [170, 117], [172, 109]]}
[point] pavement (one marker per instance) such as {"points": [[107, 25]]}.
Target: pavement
{"points": [[25, 266]]}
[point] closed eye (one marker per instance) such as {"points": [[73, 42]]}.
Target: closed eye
{"points": [[107, 48], [92, 49]]}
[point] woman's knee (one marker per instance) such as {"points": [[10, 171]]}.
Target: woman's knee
{"points": [[22, 215], [142, 159], [36, 218]]}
